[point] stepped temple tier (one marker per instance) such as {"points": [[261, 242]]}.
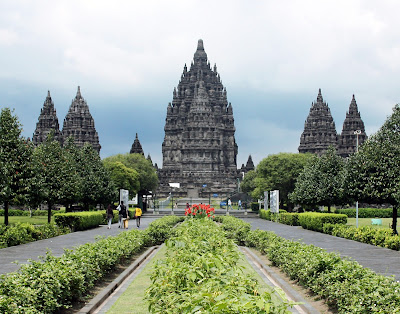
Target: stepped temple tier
{"points": [[47, 123], [320, 131], [78, 123], [136, 147], [199, 148]]}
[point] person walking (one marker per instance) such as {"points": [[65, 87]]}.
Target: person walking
{"points": [[230, 204], [120, 216], [110, 215], [124, 211], [240, 205], [138, 214]]}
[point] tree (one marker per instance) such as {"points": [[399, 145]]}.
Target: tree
{"points": [[279, 172], [51, 174], [373, 174], [15, 162], [321, 181], [122, 176], [248, 184]]}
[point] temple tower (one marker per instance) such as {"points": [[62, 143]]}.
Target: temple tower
{"points": [[47, 122], [319, 129], [347, 141], [249, 166], [199, 148], [79, 124], [137, 147]]}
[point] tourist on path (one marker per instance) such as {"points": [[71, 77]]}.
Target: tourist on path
{"points": [[138, 214], [125, 216], [110, 215], [240, 205], [230, 204], [121, 213]]}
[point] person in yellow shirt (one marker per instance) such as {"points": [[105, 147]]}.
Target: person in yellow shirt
{"points": [[138, 214]]}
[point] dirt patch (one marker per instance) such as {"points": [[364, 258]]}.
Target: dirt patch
{"points": [[313, 299]]}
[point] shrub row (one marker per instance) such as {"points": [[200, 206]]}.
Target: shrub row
{"points": [[291, 219], [268, 215], [79, 220], [343, 283], [315, 221], [200, 274], [380, 237], [53, 283], [20, 212], [367, 212], [24, 232]]}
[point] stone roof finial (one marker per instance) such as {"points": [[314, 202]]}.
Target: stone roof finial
{"points": [[78, 93], [319, 97], [200, 45]]}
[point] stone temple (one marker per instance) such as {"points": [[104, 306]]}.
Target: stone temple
{"points": [[199, 148], [78, 123], [320, 130]]}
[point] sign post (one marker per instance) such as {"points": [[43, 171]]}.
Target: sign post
{"points": [[274, 201]]}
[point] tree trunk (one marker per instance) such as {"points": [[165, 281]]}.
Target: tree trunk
{"points": [[329, 208], [394, 221], [6, 213], [49, 206]]}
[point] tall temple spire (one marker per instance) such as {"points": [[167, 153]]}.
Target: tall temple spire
{"points": [[199, 146], [136, 146], [47, 123], [79, 124], [319, 129], [348, 138]]}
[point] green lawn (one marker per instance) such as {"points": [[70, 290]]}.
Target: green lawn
{"points": [[35, 220], [367, 222]]}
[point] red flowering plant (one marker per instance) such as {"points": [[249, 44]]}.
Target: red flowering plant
{"points": [[200, 211]]}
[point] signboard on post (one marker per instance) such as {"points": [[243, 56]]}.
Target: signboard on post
{"points": [[124, 196], [274, 201], [265, 200]]}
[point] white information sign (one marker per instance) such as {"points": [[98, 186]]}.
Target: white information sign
{"points": [[124, 196], [274, 201], [265, 200]]}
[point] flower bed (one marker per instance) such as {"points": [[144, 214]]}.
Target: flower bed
{"points": [[200, 211]]}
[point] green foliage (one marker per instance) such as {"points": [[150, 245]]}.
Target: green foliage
{"points": [[53, 283], [268, 215], [380, 237], [122, 176], [80, 220], [279, 172], [316, 221], [321, 181], [346, 285], [160, 230], [248, 184], [367, 212], [15, 162], [200, 274], [291, 219], [23, 233], [20, 212], [147, 173], [235, 229]]}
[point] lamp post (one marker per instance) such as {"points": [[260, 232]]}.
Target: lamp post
{"points": [[357, 132]]}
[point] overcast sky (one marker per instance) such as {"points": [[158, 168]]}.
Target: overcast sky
{"points": [[272, 56]]}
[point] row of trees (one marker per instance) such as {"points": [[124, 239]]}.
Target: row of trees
{"points": [[51, 174], [372, 175]]}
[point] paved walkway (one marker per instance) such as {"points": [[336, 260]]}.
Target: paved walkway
{"points": [[22, 253], [380, 260]]}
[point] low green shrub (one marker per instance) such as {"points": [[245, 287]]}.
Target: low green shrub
{"points": [[380, 237], [53, 283], [37, 212], [367, 212], [268, 215], [80, 220], [200, 274], [346, 285], [315, 221], [21, 233], [291, 219], [235, 229]]}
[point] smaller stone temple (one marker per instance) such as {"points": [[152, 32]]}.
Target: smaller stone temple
{"points": [[320, 130], [137, 147], [47, 123], [79, 124], [249, 166]]}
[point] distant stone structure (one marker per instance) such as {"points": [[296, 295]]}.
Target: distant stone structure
{"points": [[47, 123], [249, 166], [199, 148], [320, 130], [78, 123], [137, 147]]}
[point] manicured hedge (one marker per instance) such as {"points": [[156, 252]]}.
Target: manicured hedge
{"points": [[367, 212], [380, 237], [315, 221], [266, 214], [53, 283], [291, 219], [38, 212], [344, 284], [79, 220], [24, 232]]}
